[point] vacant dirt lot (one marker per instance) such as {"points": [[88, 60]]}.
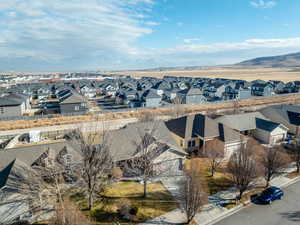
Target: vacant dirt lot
{"points": [[266, 74]]}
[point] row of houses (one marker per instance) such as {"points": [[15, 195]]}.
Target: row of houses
{"points": [[128, 92]]}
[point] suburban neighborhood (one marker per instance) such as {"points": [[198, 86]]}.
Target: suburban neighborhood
{"points": [[78, 94], [149, 112], [147, 155]]}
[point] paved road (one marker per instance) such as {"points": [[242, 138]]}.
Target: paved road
{"points": [[281, 212], [88, 126]]}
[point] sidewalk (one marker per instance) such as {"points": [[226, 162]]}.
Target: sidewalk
{"points": [[213, 215], [176, 216], [213, 212]]}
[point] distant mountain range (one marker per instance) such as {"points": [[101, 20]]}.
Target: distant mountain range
{"points": [[290, 60]]}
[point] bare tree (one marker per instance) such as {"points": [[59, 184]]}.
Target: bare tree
{"points": [[192, 193], [69, 215], [147, 148], [179, 107], [294, 153], [243, 168], [214, 151], [96, 161], [273, 160], [236, 106], [146, 116]]}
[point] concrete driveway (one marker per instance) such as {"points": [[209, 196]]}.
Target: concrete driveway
{"points": [[280, 212]]}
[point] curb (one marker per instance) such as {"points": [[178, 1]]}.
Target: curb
{"points": [[227, 213], [244, 205], [292, 181]]}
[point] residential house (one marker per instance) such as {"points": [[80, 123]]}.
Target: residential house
{"points": [[262, 89], [88, 91], [73, 103], [270, 132], [162, 87], [109, 89], [193, 132], [124, 144], [244, 93], [278, 86], [192, 96], [287, 115], [11, 105], [255, 124], [230, 93], [151, 99]]}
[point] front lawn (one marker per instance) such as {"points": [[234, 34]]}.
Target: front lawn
{"points": [[105, 211], [219, 182]]}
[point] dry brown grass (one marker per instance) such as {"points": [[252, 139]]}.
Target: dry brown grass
{"points": [[22, 124], [230, 73], [105, 211], [49, 141], [219, 182]]}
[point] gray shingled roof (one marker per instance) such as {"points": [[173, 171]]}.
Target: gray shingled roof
{"points": [[26, 156], [288, 115], [122, 142], [240, 122], [4, 174], [266, 125], [227, 134], [73, 98], [10, 101], [191, 126], [29, 154], [194, 91], [151, 94]]}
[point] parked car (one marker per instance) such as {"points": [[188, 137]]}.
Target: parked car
{"points": [[270, 194]]}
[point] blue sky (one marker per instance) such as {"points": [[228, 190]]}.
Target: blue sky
{"points": [[60, 35]]}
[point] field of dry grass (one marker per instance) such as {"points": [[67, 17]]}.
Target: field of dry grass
{"points": [[266, 74], [159, 112]]}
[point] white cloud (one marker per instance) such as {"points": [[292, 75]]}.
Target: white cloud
{"points": [[190, 40], [263, 4], [151, 23], [102, 34], [71, 33]]}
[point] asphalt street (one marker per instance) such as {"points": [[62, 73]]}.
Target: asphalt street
{"points": [[280, 212]]}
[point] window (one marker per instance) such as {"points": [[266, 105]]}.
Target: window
{"points": [[76, 107], [180, 166], [193, 143], [68, 159], [1, 110]]}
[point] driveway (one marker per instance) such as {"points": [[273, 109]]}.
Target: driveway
{"points": [[281, 212]]}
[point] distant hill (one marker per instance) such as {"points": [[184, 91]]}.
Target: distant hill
{"points": [[290, 60]]}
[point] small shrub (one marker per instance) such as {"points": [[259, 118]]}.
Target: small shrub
{"points": [[133, 211], [117, 173], [124, 207]]}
